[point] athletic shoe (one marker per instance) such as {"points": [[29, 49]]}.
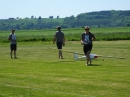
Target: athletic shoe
{"points": [[86, 64]]}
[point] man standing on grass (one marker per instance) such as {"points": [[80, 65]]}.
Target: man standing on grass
{"points": [[60, 41], [13, 43], [86, 39]]}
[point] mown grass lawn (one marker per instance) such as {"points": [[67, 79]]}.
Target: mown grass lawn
{"points": [[39, 73]]}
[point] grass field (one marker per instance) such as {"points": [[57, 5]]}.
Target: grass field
{"points": [[118, 33], [39, 73]]}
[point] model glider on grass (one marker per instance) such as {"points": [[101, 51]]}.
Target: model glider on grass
{"points": [[92, 56], [78, 55]]}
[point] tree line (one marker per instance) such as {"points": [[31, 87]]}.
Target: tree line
{"points": [[111, 18]]}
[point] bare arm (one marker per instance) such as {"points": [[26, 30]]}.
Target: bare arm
{"points": [[63, 41], [81, 40], [54, 39], [9, 38], [93, 38]]}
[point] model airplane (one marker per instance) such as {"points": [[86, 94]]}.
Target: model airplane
{"points": [[92, 56]]}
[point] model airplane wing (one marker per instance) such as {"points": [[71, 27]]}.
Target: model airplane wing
{"points": [[92, 56]]}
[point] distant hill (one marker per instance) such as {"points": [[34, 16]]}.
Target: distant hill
{"points": [[103, 18], [110, 18]]}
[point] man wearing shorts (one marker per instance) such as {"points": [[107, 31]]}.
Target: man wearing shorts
{"points": [[13, 43], [86, 39], [60, 41]]}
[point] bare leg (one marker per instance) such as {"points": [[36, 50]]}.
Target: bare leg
{"points": [[88, 58], [15, 54], [11, 54], [61, 55]]}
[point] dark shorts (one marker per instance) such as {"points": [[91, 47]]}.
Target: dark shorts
{"points": [[59, 45], [87, 48], [13, 47]]}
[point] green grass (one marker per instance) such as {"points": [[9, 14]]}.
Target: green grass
{"points": [[119, 33], [39, 73]]}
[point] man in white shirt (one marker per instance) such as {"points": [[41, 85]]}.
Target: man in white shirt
{"points": [[86, 39], [13, 43]]}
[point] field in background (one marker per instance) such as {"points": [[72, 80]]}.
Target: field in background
{"points": [[39, 73], [120, 33]]}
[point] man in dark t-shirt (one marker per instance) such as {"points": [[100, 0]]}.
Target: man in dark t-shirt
{"points": [[60, 41]]}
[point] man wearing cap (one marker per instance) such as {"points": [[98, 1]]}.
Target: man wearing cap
{"points": [[13, 43], [60, 40], [86, 39]]}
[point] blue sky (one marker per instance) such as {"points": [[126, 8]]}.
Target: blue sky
{"points": [[61, 8]]}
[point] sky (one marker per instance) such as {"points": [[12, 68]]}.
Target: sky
{"points": [[61, 8]]}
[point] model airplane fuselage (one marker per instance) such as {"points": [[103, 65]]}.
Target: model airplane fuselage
{"points": [[92, 56]]}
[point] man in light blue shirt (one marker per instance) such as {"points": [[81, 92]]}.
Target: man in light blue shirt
{"points": [[13, 43]]}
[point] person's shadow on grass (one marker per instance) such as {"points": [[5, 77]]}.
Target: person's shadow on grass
{"points": [[94, 65]]}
